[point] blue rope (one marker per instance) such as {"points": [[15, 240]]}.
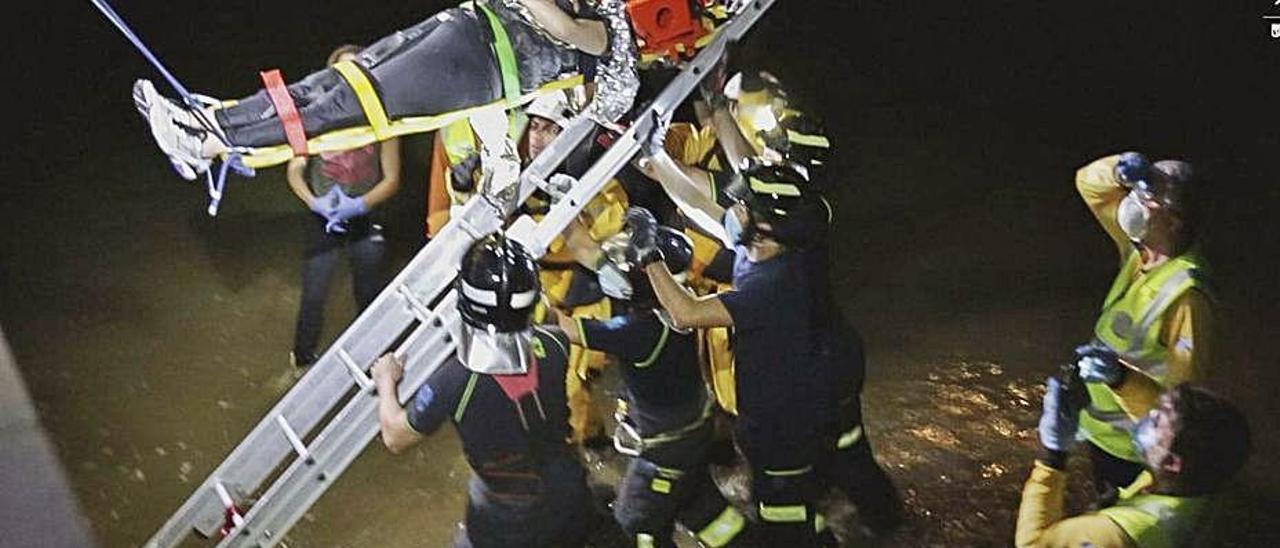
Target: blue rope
{"points": [[116, 20], [233, 160]]}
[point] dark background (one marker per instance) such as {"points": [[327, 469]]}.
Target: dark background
{"points": [[151, 335]]}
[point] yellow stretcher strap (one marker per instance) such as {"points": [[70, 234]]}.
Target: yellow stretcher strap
{"points": [[368, 98]]}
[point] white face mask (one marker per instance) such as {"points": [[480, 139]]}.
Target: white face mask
{"points": [[1146, 442], [493, 353], [1134, 217]]}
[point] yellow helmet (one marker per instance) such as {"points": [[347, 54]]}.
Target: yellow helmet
{"points": [[759, 106]]}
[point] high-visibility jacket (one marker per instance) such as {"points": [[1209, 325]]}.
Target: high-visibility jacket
{"points": [[1130, 326], [1158, 521], [1137, 520], [698, 147]]}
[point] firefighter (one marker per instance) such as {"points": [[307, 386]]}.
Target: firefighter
{"points": [[664, 419], [504, 392], [786, 386]]}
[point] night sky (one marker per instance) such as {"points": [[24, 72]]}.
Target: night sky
{"points": [[958, 129]]}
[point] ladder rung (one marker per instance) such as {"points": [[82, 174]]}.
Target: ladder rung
{"points": [[357, 373], [294, 440], [424, 314], [227, 502]]}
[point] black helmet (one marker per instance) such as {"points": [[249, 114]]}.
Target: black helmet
{"points": [[497, 292], [498, 285], [806, 144], [780, 195], [677, 253]]}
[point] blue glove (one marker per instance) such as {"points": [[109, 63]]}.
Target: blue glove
{"points": [[322, 205], [1099, 364], [1132, 168], [345, 208], [1057, 424]]}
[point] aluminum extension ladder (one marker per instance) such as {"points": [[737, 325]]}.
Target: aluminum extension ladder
{"points": [[413, 317]]}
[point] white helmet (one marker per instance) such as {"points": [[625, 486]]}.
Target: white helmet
{"points": [[553, 106]]}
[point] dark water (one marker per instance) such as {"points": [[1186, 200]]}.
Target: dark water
{"points": [[153, 337]]}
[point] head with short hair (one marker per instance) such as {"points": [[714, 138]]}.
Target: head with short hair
{"points": [[343, 53], [1194, 439]]}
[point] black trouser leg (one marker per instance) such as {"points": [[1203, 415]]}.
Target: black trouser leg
{"points": [[258, 107], [317, 271], [653, 498], [335, 108], [785, 498], [437, 66], [368, 267], [710, 517], [853, 469], [647, 503]]}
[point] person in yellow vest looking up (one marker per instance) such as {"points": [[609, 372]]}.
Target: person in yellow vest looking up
{"points": [[1157, 315], [1190, 441]]}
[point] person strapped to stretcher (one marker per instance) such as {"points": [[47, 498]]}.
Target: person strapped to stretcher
{"points": [[491, 53], [454, 65]]}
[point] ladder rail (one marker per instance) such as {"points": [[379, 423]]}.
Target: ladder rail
{"points": [[263, 450], [626, 146], [342, 440]]}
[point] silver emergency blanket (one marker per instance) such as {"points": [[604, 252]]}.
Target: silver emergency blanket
{"points": [[617, 79]]}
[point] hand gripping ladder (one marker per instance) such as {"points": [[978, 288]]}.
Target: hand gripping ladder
{"points": [[414, 318]]}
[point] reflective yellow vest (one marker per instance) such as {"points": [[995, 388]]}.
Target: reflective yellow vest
{"points": [[1130, 325], [1158, 521]]}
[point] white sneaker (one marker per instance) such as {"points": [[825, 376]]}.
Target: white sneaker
{"points": [[175, 130]]}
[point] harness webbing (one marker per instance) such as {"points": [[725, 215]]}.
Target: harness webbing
{"points": [[286, 111], [504, 52]]}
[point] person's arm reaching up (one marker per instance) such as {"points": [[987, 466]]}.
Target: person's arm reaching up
{"points": [[393, 421], [684, 309], [1100, 190], [587, 35]]}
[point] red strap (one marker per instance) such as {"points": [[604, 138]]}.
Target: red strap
{"points": [[285, 111], [229, 520], [519, 386]]}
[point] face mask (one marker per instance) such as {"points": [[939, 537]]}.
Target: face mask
{"points": [[493, 353], [733, 227], [1147, 442], [1134, 218]]}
